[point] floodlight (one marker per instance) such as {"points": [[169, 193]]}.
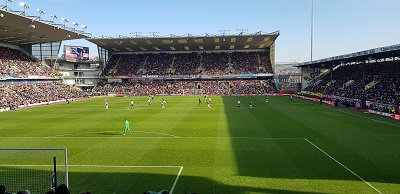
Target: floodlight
{"points": [[75, 24], [41, 12], [65, 21], [54, 17], [25, 6], [83, 28]]}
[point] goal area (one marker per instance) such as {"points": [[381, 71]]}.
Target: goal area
{"points": [[35, 169]]}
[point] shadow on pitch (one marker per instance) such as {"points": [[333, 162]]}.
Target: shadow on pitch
{"points": [[107, 183], [298, 159]]}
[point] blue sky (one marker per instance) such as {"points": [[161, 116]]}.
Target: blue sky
{"points": [[340, 26]]}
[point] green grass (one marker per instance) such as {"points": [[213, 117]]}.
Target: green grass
{"points": [[279, 147]]}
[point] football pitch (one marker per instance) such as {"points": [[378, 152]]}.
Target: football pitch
{"points": [[281, 146]]}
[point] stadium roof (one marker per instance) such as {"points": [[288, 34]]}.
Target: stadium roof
{"points": [[18, 28], [186, 43], [376, 53]]}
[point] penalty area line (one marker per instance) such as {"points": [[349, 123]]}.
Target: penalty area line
{"points": [[345, 167], [111, 166], [176, 180], [155, 137], [77, 165]]}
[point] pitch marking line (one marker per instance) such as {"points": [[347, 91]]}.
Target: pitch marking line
{"points": [[96, 166], [29, 165], [176, 180], [166, 134], [106, 166], [100, 132], [165, 137], [343, 166], [110, 166]]}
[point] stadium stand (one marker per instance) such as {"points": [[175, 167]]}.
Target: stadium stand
{"points": [[16, 95], [243, 63], [157, 64], [186, 63], [209, 64], [16, 63], [124, 64], [213, 64], [221, 87], [381, 82], [22, 93]]}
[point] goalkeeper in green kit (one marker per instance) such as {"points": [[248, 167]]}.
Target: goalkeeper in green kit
{"points": [[127, 127]]}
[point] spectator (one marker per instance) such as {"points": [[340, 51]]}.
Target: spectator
{"points": [[62, 189], [2, 189]]}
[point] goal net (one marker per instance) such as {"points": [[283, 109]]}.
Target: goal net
{"points": [[195, 92], [35, 169]]}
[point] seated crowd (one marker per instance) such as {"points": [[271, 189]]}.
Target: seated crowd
{"points": [[347, 81], [215, 63], [212, 64], [186, 64], [244, 63], [222, 87], [14, 95], [14, 62], [157, 64]]}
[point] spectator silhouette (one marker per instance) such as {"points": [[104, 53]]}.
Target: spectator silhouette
{"points": [[62, 189]]}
